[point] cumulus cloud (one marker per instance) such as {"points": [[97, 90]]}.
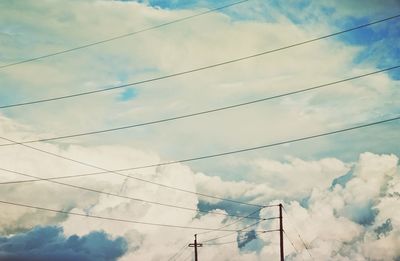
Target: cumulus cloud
{"points": [[349, 219], [346, 209], [49, 243], [338, 220]]}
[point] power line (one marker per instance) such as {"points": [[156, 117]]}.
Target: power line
{"points": [[118, 172], [128, 176], [179, 252], [237, 221], [111, 219], [131, 198], [207, 111], [234, 233], [291, 242], [230, 242], [199, 68], [299, 236], [244, 228], [224, 226], [188, 257], [222, 243], [264, 146], [123, 35], [241, 230]]}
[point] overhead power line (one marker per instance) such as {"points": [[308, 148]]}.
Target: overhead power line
{"points": [[298, 234], [291, 242], [188, 257], [112, 219], [224, 226], [122, 35], [130, 177], [226, 235], [264, 146], [118, 172], [199, 68], [131, 198], [179, 252], [244, 228], [238, 220], [207, 111], [235, 241], [222, 243]]}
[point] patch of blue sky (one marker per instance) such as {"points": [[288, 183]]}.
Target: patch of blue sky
{"points": [[178, 4], [342, 180], [383, 55], [248, 242], [327, 11], [124, 77], [351, 21], [390, 58], [380, 43], [395, 75], [362, 214], [251, 10], [384, 229], [305, 202], [364, 36], [245, 237], [230, 208], [248, 12], [128, 94], [293, 12], [299, 12]]}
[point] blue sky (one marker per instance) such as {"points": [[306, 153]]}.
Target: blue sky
{"points": [[345, 182]]}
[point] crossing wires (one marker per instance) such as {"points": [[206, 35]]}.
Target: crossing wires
{"points": [[221, 154], [120, 220], [130, 198], [299, 236]]}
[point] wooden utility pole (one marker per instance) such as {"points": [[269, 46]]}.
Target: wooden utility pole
{"points": [[282, 252], [195, 245]]}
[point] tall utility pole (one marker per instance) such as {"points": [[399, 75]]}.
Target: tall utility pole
{"points": [[281, 232], [195, 245]]}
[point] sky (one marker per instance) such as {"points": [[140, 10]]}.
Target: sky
{"points": [[340, 192]]}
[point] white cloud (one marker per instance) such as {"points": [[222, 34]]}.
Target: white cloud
{"points": [[198, 42], [328, 218], [325, 223]]}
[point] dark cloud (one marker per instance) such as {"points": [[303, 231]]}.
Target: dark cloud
{"points": [[49, 243]]}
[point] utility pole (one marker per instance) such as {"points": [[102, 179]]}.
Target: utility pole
{"points": [[195, 245], [281, 232]]}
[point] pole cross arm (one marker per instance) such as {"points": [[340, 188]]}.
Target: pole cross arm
{"points": [[193, 245]]}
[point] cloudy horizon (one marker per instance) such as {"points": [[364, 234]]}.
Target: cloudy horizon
{"points": [[340, 191]]}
